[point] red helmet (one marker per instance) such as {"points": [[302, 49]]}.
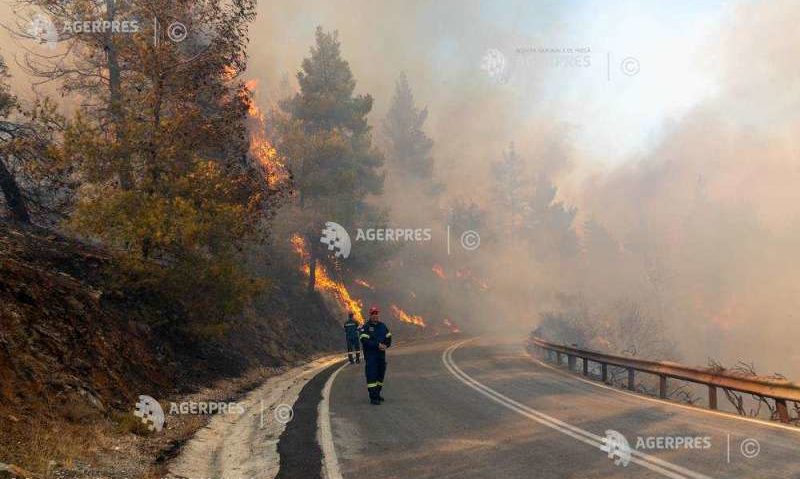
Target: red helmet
{"points": [[374, 310]]}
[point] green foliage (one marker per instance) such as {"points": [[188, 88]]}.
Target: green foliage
{"points": [[167, 178], [409, 146], [326, 137], [325, 100], [334, 161], [183, 240]]}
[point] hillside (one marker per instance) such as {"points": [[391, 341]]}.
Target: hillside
{"points": [[77, 347]]}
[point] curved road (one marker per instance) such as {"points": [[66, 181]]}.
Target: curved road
{"points": [[484, 408]]}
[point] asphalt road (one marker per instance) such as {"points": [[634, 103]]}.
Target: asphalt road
{"points": [[485, 409]]}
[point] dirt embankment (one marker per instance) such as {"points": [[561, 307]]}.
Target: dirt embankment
{"points": [[77, 348]]}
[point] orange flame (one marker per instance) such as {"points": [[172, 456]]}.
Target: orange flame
{"points": [[324, 283], [260, 147], [439, 271], [407, 318]]}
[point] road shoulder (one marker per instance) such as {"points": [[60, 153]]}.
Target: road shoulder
{"points": [[246, 445]]}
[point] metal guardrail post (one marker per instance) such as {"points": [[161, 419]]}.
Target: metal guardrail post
{"points": [[783, 411], [662, 386], [631, 379], [712, 397], [585, 366], [605, 372]]}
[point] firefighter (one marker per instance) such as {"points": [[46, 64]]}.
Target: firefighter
{"points": [[351, 336], [375, 339]]}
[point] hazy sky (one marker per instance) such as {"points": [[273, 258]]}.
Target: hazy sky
{"points": [[442, 43], [670, 52]]}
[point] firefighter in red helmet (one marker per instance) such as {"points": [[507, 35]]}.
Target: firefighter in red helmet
{"points": [[375, 339]]}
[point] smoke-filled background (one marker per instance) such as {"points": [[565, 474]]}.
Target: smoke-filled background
{"points": [[686, 170], [625, 163]]}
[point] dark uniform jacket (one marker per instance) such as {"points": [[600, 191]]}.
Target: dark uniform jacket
{"points": [[373, 334], [351, 331]]}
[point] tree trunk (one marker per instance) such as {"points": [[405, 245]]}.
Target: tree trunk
{"points": [[115, 97], [15, 202]]}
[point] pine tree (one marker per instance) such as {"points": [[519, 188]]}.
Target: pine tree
{"points": [[409, 147], [548, 223], [330, 143], [508, 187]]}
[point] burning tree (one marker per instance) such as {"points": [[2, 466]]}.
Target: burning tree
{"points": [[324, 283], [161, 144], [329, 145], [262, 148]]}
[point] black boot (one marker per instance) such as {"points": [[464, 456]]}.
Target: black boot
{"points": [[374, 396]]}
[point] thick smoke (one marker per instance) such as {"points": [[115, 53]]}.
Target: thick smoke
{"points": [[711, 213], [701, 230]]}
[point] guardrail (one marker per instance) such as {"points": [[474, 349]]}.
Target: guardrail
{"points": [[779, 390]]}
